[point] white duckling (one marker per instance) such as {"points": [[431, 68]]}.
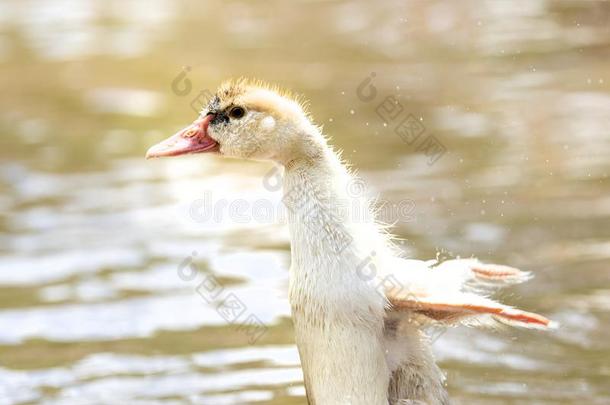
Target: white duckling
{"points": [[358, 308]]}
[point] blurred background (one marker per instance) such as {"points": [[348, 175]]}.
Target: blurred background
{"points": [[102, 254]]}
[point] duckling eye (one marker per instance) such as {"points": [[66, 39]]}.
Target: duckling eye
{"points": [[237, 112]]}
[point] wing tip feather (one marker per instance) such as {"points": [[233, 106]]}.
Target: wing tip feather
{"points": [[500, 273], [524, 319]]}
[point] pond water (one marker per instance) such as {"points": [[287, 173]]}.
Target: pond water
{"points": [[106, 260]]}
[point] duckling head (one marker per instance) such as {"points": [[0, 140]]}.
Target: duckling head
{"points": [[247, 120]]}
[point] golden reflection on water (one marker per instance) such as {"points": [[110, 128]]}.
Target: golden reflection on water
{"points": [[91, 235]]}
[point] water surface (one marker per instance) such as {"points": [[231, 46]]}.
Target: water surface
{"points": [[103, 254]]}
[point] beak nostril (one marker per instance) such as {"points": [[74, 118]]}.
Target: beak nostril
{"points": [[190, 133]]}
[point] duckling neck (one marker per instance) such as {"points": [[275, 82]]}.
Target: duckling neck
{"points": [[319, 206], [328, 211], [337, 313], [332, 231]]}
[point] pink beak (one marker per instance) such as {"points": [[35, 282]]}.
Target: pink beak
{"points": [[192, 139]]}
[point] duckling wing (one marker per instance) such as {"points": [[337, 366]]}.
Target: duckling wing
{"points": [[467, 308], [455, 292]]}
